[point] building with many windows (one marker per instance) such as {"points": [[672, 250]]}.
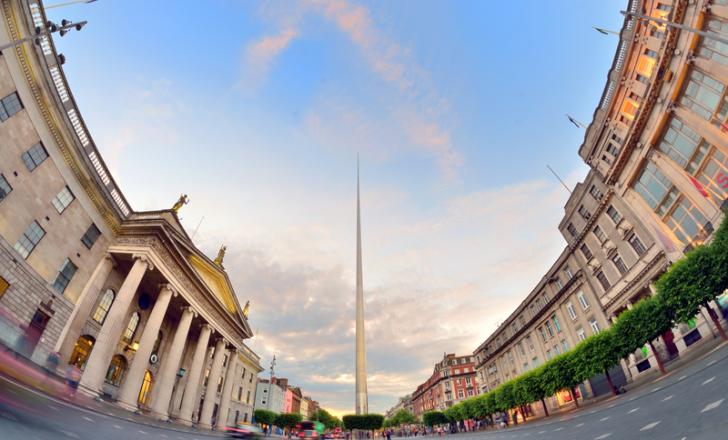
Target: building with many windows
{"points": [[658, 184], [151, 321], [452, 380]]}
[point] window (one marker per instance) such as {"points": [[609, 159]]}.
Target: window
{"points": [[5, 187], [713, 49], [3, 286], [603, 280], [585, 251], [116, 370], [521, 349], [596, 193], [567, 272], [558, 283], [619, 264], [104, 305], [461, 394], [570, 309], [643, 79], [548, 354], [34, 156], [549, 329], [68, 269], [468, 381], [650, 53], [62, 199], [247, 397], [530, 344], [698, 157], [636, 244], [614, 214], [240, 394], [90, 236], [584, 212], [30, 239], [601, 236], [564, 345], [131, 328], [534, 362], [557, 350], [572, 230], [557, 324], [594, 325], [470, 393], [706, 97], [580, 334], [9, 106], [682, 217], [543, 335], [612, 149], [582, 300]]}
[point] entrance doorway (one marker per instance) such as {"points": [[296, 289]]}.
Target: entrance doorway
{"points": [[81, 351], [34, 331], [669, 338], [146, 387]]}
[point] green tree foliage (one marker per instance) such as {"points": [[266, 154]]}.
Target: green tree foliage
{"points": [[265, 417], [433, 418], [647, 320], [528, 388], [505, 396], [288, 420], [367, 422], [558, 374], [403, 417], [595, 355], [326, 418]]}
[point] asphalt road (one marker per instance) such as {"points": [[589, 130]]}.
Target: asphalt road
{"points": [[687, 404]]}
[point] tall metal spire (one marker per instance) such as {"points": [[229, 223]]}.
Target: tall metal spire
{"points": [[362, 399]]}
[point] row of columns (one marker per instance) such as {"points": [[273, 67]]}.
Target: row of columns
{"points": [[107, 341]]}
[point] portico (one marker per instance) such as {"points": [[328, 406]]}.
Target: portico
{"points": [[159, 317]]}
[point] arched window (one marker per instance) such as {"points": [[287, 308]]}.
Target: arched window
{"points": [[131, 328], [104, 305], [146, 386], [116, 370], [81, 351]]}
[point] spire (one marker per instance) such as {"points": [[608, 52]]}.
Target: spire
{"points": [[362, 400]]}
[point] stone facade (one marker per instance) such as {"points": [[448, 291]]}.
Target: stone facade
{"points": [[453, 380]]}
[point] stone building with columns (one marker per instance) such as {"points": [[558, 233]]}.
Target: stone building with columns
{"points": [[125, 296]]}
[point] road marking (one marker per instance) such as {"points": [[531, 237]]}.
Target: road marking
{"points": [[88, 419], [668, 398], [681, 377], [142, 432], [633, 410], [53, 408], [603, 419], [163, 435], [117, 426], [712, 406], [711, 362], [603, 436], [558, 429], [542, 432], [611, 406], [593, 411], [650, 426], [69, 434], [654, 390], [707, 381], [579, 425]]}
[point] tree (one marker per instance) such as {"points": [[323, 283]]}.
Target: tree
{"points": [[403, 417], [433, 418], [645, 321], [288, 420], [323, 416], [694, 281], [596, 354], [527, 389], [558, 374], [265, 417], [505, 397], [367, 422]]}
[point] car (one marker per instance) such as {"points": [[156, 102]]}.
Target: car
{"points": [[307, 430], [244, 430]]}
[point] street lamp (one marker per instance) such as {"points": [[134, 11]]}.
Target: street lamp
{"points": [[50, 28], [683, 27], [270, 382], [75, 2], [605, 31]]}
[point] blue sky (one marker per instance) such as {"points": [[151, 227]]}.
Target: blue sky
{"points": [[257, 111]]}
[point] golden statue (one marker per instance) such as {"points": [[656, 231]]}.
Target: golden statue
{"points": [[220, 255], [246, 309], [183, 200]]}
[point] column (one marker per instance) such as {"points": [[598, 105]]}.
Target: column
{"points": [[209, 403], [227, 388], [168, 372], [83, 308], [129, 392], [193, 379], [108, 338]]}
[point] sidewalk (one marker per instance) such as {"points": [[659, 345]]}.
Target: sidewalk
{"points": [[20, 371]]}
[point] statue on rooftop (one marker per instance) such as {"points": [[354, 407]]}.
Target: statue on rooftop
{"points": [[183, 200]]}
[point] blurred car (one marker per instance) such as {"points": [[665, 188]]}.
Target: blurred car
{"points": [[307, 430], [244, 430]]}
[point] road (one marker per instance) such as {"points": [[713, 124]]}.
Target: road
{"points": [[687, 404]]}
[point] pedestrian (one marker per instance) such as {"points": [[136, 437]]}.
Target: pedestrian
{"points": [[73, 376]]}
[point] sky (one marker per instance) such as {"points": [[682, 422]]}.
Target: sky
{"points": [[257, 111]]}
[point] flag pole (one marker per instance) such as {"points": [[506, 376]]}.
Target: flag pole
{"points": [[557, 177]]}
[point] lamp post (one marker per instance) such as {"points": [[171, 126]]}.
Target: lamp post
{"points": [[270, 382], [668, 23], [50, 28]]}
